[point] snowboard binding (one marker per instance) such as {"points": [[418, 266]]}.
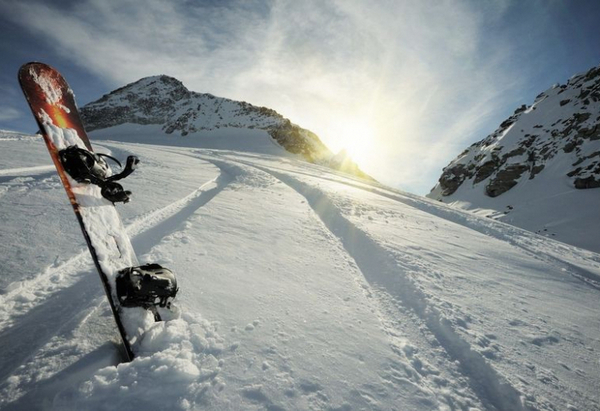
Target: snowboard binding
{"points": [[146, 286], [87, 167]]}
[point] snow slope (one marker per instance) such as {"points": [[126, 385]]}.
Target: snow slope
{"points": [[301, 288], [540, 170]]}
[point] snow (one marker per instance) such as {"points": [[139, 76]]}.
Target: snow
{"points": [[300, 288], [546, 203], [165, 100], [246, 140]]}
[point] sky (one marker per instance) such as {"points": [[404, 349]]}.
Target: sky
{"points": [[403, 85]]}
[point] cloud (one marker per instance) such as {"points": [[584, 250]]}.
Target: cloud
{"points": [[417, 72], [9, 113]]}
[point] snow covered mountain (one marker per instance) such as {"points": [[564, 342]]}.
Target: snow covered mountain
{"points": [[301, 288], [164, 101], [541, 169]]}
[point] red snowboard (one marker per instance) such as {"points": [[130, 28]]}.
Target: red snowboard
{"points": [[53, 105]]}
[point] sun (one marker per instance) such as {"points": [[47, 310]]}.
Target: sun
{"points": [[357, 138]]}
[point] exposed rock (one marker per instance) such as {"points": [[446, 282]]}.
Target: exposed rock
{"points": [[592, 74], [452, 178], [165, 101], [517, 151], [536, 170], [588, 182], [486, 170], [560, 123], [581, 117], [521, 109], [592, 133], [294, 139], [570, 146], [505, 179]]}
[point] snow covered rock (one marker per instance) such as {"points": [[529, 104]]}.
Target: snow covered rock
{"points": [[543, 155], [165, 101]]}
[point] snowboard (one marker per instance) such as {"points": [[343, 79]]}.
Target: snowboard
{"points": [[52, 103]]}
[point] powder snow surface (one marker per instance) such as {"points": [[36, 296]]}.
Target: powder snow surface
{"points": [[299, 289]]}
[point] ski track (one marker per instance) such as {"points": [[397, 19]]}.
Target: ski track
{"points": [[159, 223], [22, 301], [387, 276], [392, 314], [528, 242], [389, 283], [22, 296], [71, 375], [26, 171], [16, 181], [65, 294], [166, 220], [61, 290], [65, 345], [39, 173], [23, 338], [493, 389]]}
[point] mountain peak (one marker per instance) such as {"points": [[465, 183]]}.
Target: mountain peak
{"points": [[161, 78], [160, 85], [562, 122], [164, 101], [544, 154]]}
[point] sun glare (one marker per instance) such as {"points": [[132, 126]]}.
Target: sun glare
{"points": [[356, 137]]}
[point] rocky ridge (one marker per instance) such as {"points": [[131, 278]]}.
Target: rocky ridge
{"points": [[165, 101], [561, 129]]}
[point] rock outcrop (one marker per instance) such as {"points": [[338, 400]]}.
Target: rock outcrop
{"points": [[561, 128], [165, 101]]}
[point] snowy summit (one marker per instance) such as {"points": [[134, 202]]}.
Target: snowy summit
{"points": [[541, 169], [206, 120]]}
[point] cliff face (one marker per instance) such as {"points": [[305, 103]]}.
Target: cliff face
{"points": [[540, 170], [562, 126], [165, 101]]}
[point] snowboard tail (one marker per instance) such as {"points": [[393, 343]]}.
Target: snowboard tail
{"points": [[52, 103]]}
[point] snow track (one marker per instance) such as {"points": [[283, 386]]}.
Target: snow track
{"points": [[147, 229], [45, 319], [64, 295], [538, 247], [22, 296], [320, 292], [387, 273], [44, 171], [385, 276]]}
